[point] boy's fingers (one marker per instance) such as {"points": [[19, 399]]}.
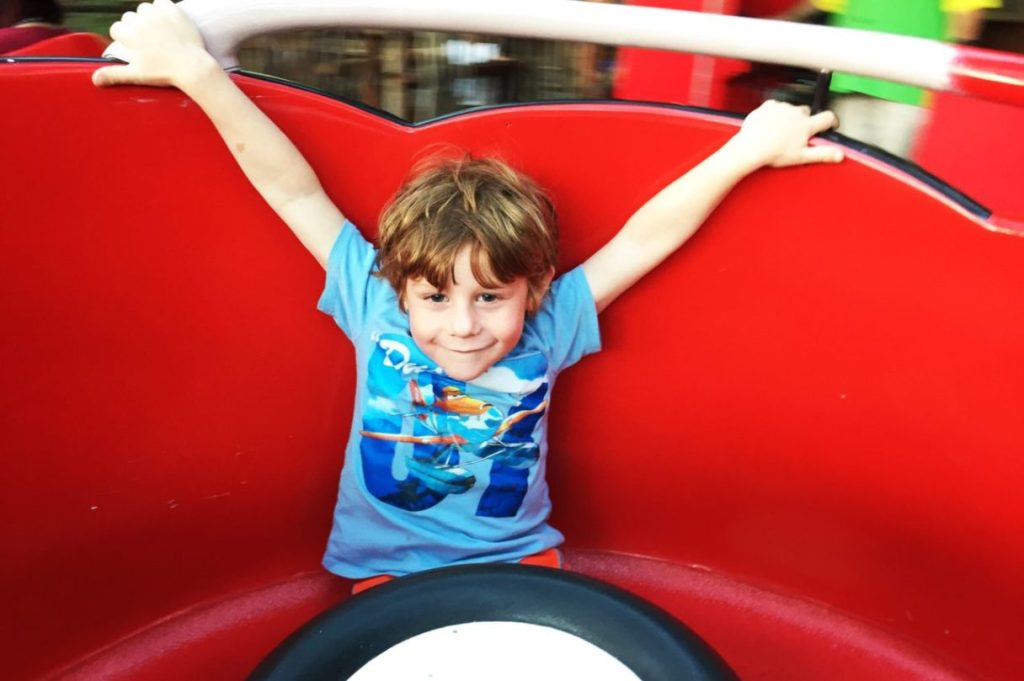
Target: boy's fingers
{"points": [[114, 75], [102, 77], [825, 120], [118, 30], [821, 154]]}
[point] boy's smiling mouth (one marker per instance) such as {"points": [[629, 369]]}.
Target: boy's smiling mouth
{"points": [[468, 351]]}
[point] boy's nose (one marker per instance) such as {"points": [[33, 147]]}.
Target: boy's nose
{"points": [[463, 321]]}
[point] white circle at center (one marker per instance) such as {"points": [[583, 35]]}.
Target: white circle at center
{"points": [[496, 651]]}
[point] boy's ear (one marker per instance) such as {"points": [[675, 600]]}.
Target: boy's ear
{"points": [[537, 295]]}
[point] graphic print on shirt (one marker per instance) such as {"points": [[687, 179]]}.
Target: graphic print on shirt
{"points": [[426, 436]]}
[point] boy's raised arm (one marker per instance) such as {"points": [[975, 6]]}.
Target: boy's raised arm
{"points": [[167, 50], [775, 134]]}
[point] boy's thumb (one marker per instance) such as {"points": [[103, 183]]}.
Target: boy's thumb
{"points": [[112, 75]]}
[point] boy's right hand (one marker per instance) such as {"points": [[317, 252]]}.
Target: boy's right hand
{"points": [[164, 47]]}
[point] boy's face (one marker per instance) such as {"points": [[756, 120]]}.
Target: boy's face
{"points": [[466, 327]]}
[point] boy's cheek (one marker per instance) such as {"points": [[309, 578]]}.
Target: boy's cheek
{"points": [[419, 324], [513, 330]]}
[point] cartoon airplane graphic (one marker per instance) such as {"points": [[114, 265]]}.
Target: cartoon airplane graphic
{"points": [[441, 471], [451, 400]]}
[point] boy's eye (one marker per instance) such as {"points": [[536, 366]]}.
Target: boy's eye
{"points": [[437, 297], [488, 297]]}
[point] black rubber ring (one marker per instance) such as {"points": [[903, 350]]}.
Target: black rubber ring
{"points": [[649, 641]]}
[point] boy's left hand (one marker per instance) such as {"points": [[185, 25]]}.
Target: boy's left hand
{"points": [[777, 134]]}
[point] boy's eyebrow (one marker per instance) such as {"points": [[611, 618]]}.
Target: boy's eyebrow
{"points": [[423, 283]]}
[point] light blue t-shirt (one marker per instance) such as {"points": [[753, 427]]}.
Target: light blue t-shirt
{"points": [[440, 471]]}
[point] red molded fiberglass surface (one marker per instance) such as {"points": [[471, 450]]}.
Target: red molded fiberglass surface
{"points": [[802, 437], [992, 169]]}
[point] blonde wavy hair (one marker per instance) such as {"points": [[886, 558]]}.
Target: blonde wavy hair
{"points": [[504, 217]]}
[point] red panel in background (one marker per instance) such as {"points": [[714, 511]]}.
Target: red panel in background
{"points": [[817, 398], [67, 45], [977, 146], [662, 76], [766, 8]]}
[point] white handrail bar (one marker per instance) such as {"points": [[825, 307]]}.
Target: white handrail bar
{"points": [[915, 61]]}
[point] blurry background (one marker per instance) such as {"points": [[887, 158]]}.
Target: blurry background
{"points": [[420, 75], [972, 144], [413, 75]]}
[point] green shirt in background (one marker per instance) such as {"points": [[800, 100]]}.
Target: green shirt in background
{"points": [[919, 18]]}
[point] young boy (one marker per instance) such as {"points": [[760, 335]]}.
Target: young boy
{"points": [[459, 325]]}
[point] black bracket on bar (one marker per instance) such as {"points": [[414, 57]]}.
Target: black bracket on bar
{"points": [[820, 101]]}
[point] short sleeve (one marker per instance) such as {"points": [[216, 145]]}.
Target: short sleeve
{"points": [[348, 291], [567, 318]]}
